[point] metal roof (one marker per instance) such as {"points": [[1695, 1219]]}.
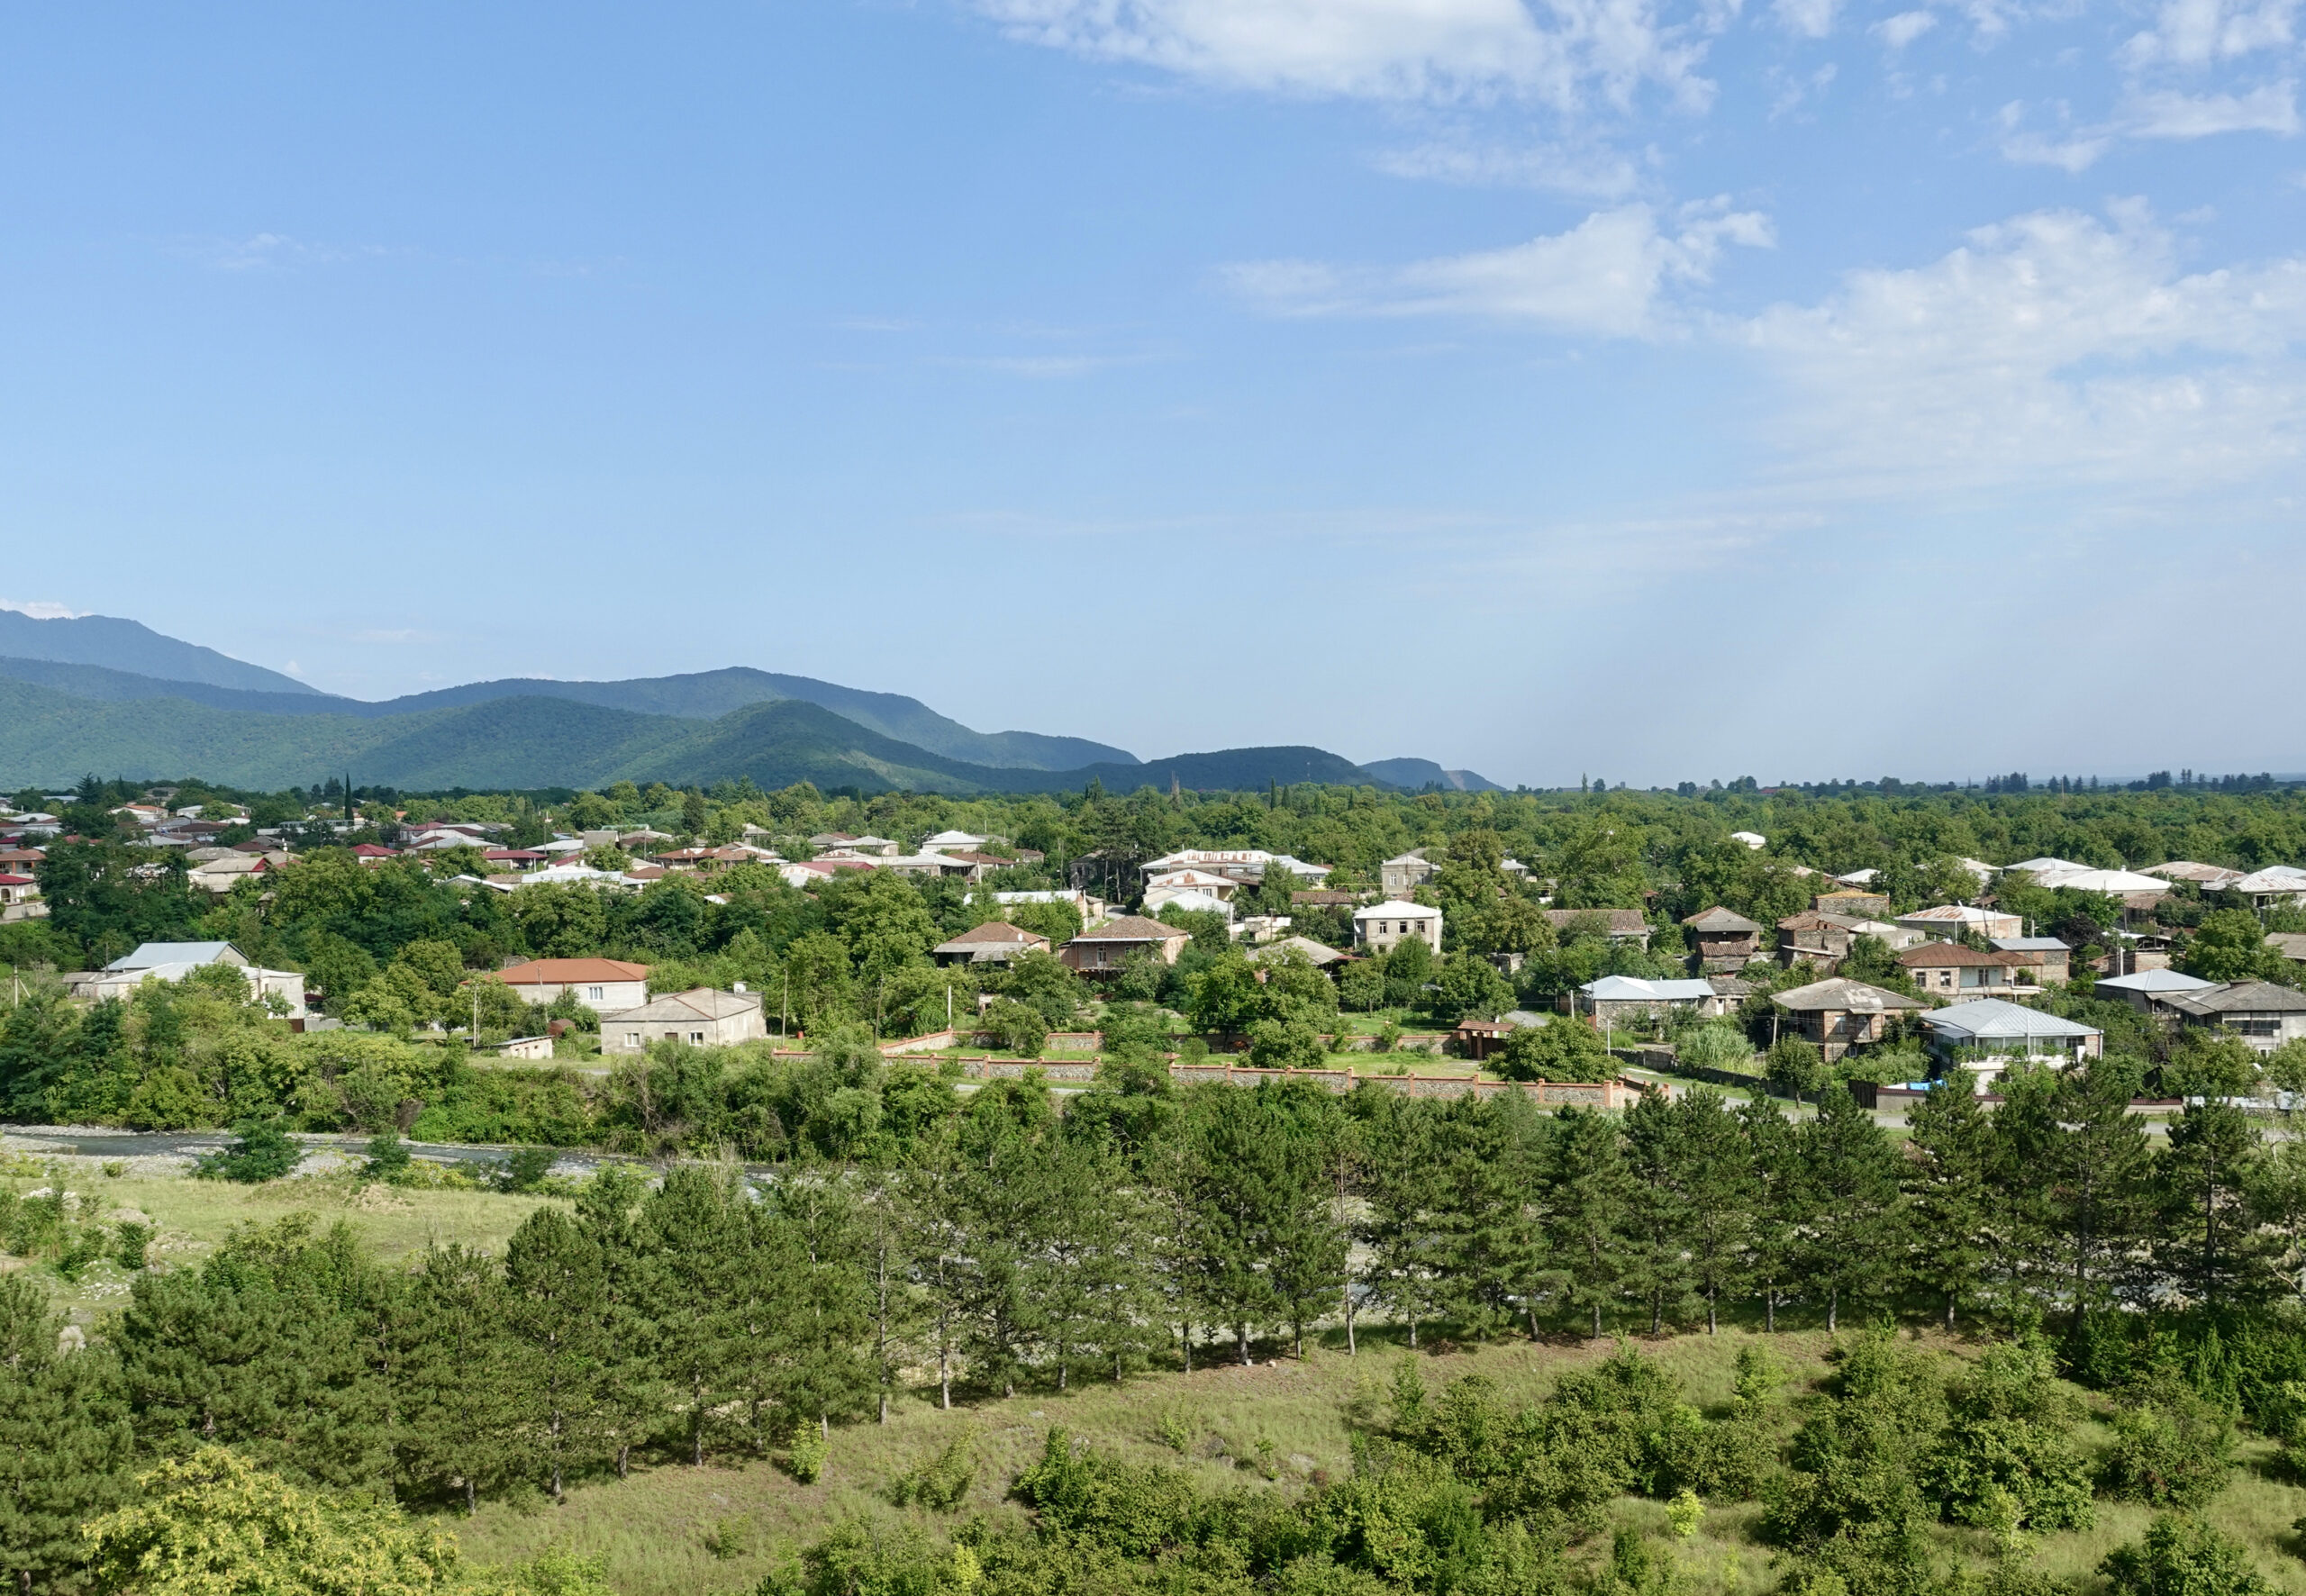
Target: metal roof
{"points": [[149, 956], [2153, 981], [1633, 989], [2000, 1020]]}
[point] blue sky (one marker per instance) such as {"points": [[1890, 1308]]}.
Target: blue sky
{"points": [[1649, 388]]}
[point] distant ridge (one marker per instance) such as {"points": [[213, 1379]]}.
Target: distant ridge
{"points": [[73, 699], [1418, 773], [131, 646]]}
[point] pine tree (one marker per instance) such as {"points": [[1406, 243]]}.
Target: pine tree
{"points": [[2210, 1245], [1659, 1209], [933, 1204], [1085, 1279], [1717, 1184], [1951, 1140], [1399, 1188], [893, 1297], [1773, 1164], [695, 1271], [1485, 1248], [828, 1314], [1587, 1191], [64, 1443], [458, 1402], [631, 1392], [1307, 1246], [554, 1304], [1848, 1173], [1005, 1189]]}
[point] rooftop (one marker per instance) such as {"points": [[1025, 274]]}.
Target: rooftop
{"points": [[1841, 994], [1995, 1018], [567, 971]]}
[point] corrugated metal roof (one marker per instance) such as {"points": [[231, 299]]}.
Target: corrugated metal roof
{"points": [[1997, 1020]]}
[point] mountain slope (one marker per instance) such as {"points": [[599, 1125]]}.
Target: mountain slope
{"points": [[103, 682], [1415, 773], [130, 645], [46, 736], [709, 694]]}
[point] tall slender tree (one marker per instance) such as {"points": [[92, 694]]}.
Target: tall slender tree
{"points": [[1587, 1195], [554, 1300], [64, 1444], [1659, 1208], [1717, 1179], [1951, 1154], [1849, 1170], [459, 1406]]}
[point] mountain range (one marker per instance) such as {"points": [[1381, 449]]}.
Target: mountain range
{"points": [[97, 694]]}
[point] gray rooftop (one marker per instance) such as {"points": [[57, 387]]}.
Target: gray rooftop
{"points": [[152, 956], [1997, 1020]]}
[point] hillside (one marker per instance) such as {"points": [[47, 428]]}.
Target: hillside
{"points": [[1416, 774], [49, 737], [131, 646]]}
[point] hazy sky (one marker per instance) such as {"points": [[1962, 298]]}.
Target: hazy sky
{"points": [[1653, 388]]}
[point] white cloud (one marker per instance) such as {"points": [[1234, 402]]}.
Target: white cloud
{"points": [[1603, 277], [1591, 174], [2159, 115], [1562, 52], [2273, 109], [2051, 347], [2194, 33], [1811, 19], [43, 610], [1903, 28]]}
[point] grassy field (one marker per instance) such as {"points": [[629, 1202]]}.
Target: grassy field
{"points": [[1275, 1426]]}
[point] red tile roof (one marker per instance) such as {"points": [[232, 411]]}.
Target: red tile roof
{"points": [[569, 972]]}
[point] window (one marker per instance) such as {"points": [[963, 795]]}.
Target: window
{"points": [[2259, 1028], [696, 1038], [593, 993]]}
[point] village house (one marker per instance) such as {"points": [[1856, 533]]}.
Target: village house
{"points": [[1724, 940], [19, 899], [2047, 959], [2144, 989], [1951, 920], [221, 875], [1618, 925], [1403, 874], [1837, 1014], [1997, 1034], [1849, 900], [2211, 879], [1246, 864], [2277, 887], [1319, 955], [2260, 1012], [1622, 1000], [1090, 908], [1113, 944], [605, 985], [1382, 927], [1171, 884], [1824, 939], [995, 942], [704, 1017], [948, 842], [1947, 969], [173, 961]]}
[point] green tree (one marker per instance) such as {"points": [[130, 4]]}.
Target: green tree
{"points": [[1849, 1171], [1947, 1191], [2210, 1242], [553, 1281], [1587, 1193], [693, 1242], [456, 1391], [214, 1522], [2183, 1557], [1561, 1049], [1659, 1209], [2229, 945], [1485, 1248], [64, 1443]]}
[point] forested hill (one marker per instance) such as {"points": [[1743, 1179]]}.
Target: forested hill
{"points": [[130, 645], [48, 736]]}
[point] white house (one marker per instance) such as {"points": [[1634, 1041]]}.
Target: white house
{"points": [[605, 985], [1951, 920], [173, 961], [702, 1017], [2276, 886], [1405, 873], [2007, 1033], [950, 842], [1171, 884], [1381, 926], [19, 899]]}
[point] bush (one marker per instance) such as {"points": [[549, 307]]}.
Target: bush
{"points": [[388, 1159], [1562, 1049], [1020, 1027], [943, 1482], [2006, 1460], [261, 1151], [1715, 1045], [2179, 1558], [522, 1170], [2171, 1447]]}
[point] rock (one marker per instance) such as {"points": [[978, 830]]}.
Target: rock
{"points": [[71, 1340]]}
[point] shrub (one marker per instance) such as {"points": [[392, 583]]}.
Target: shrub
{"points": [[2170, 1448], [2180, 1558], [943, 1482], [1020, 1027], [2007, 1458], [1715, 1045], [1564, 1050], [388, 1159], [260, 1151]]}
